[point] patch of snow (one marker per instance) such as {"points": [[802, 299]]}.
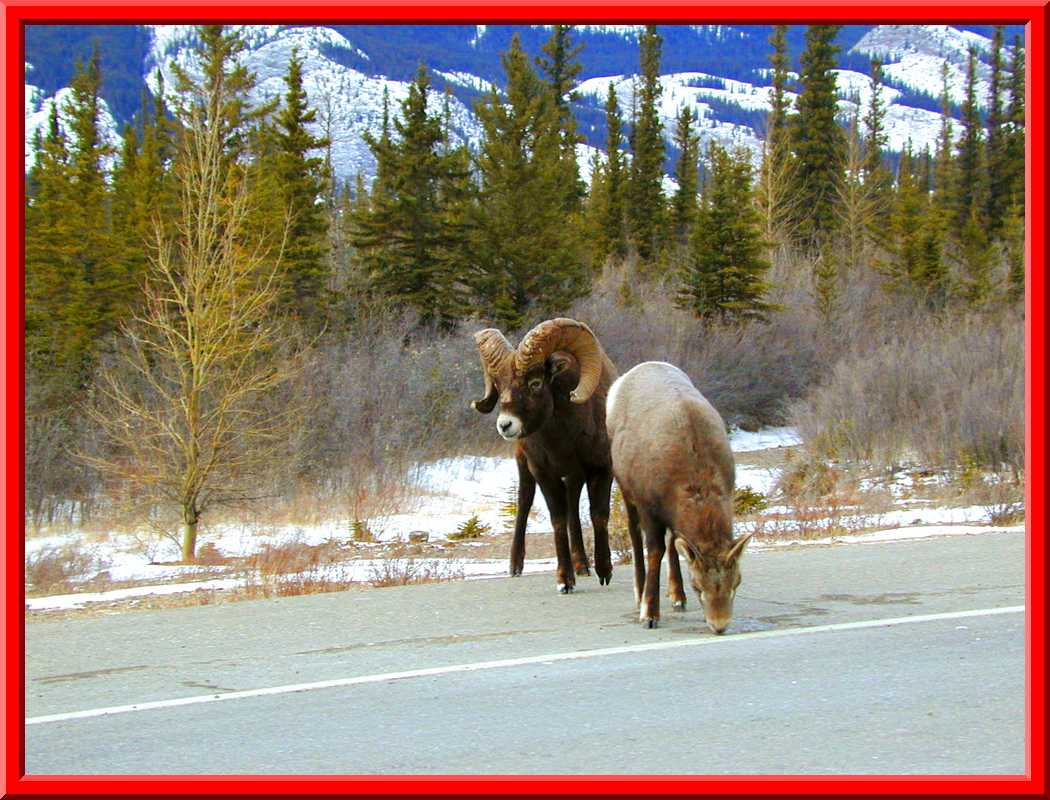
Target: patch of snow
{"points": [[747, 441], [890, 535], [68, 601]]}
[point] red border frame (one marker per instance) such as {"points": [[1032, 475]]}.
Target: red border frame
{"points": [[17, 12]]}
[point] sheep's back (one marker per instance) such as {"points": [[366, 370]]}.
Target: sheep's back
{"points": [[665, 434]]}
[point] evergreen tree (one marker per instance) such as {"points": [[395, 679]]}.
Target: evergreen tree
{"points": [[818, 142], [301, 177], [968, 178], [724, 276], [944, 165], [529, 251], [878, 182], [221, 95], [781, 65], [775, 196], [613, 237], [684, 205], [1015, 129], [410, 251], [646, 204], [997, 193], [56, 334], [108, 288], [562, 69]]}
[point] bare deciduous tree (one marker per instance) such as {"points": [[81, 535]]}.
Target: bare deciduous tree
{"points": [[184, 406]]}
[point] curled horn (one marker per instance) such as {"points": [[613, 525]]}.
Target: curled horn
{"points": [[496, 354], [572, 337]]}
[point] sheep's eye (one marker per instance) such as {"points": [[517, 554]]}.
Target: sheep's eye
{"points": [[536, 384]]}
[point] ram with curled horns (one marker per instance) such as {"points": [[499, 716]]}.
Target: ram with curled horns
{"points": [[550, 392]]}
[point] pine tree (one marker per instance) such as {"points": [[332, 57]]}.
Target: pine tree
{"points": [[817, 140], [724, 276], [56, 333], [944, 165], [528, 251], [562, 69], [613, 237], [855, 206], [410, 252], [646, 205], [997, 191], [775, 196], [906, 226], [1015, 129], [968, 199], [301, 177], [781, 65], [878, 182], [684, 205], [107, 287]]}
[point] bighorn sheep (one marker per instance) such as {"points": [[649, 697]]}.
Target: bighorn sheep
{"points": [[674, 465], [551, 394]]}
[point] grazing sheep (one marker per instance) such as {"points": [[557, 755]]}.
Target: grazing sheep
{"points": [[551, 395], [672, 460]]}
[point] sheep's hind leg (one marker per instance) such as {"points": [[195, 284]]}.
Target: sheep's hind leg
{"points": [[655, 544], [580, 564], [599, 491], [675, 589], [638, 554]]}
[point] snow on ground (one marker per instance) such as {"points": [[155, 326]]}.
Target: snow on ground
{"points": [[449, 492]]}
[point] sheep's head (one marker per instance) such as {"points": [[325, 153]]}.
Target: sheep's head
{"points": [[559, 357], [715, 577]]}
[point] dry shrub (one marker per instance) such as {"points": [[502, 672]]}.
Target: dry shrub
{"points": [[619, 533], [295, 568], [405, 571], [53, 568], [945, 392]]}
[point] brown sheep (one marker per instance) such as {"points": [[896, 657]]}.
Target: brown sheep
{"points": [[672, 460], [551, 394]]}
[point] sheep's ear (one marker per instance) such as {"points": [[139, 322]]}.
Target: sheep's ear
{"points": [[684, 550], [557, 363], [737, 549]]}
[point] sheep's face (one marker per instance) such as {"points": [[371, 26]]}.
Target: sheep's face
{"points": [[715, 577], [526, 402]]}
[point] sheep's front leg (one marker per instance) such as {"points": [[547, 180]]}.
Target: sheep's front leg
{"points": [[580, 564], [526, 494], [675, 589], [599, 493], [655, 544], [554, 493]]}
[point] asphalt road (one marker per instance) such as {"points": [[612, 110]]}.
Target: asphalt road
{"points": [[894, 658]]}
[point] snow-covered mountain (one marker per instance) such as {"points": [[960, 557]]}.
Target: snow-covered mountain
{"points": [[347, 72]]}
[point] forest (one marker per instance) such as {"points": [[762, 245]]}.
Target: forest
{"points": [[216, 323]]}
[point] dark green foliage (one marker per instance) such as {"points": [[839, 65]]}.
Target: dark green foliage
{"points": [[645, 198], [411, 236], [529, 251], [969, 182], [684, 206], [1015, 129], [562, 69], [724, 276], [780, 62], [609, 199], [997, 196], [302, 182], [817, 139], [878, 182]]}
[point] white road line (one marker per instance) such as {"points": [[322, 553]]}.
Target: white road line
{"points": [[517, 662]]}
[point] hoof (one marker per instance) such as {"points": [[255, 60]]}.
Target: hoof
{"points": [[565, 588], [605, 580], [515, 573], [583, 570], [649, 623], [678, 605]]}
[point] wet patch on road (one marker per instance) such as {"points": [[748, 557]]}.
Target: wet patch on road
{"points": [[95, 673], [423, 640]]}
